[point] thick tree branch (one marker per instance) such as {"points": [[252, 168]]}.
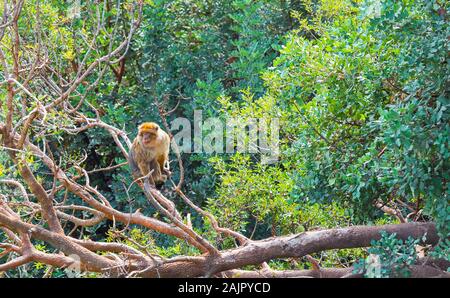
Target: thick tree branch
{"points": [[257, 252]]}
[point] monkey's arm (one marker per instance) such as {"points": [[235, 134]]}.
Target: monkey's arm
{"points": [[136, 172]]}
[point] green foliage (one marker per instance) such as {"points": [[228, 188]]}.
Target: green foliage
{"points": [[365, 104], [362, 96], [390, 257], [191, 52], [253, 193], [442, 251]]}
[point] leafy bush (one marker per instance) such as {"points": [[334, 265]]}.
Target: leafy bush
{"points": [[389, 257]]}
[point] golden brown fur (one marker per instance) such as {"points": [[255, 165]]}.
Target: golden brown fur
{"points": [[150, 151]]}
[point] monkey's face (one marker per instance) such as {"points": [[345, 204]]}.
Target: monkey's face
{"points": [[148, 132], [148, 137]]}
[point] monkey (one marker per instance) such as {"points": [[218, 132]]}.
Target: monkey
{"points": [[150, 151]]}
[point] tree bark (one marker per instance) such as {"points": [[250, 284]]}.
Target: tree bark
{"points": [[299, 245]]}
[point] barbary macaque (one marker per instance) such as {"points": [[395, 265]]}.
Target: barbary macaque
{"points": [[150, 151]]}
